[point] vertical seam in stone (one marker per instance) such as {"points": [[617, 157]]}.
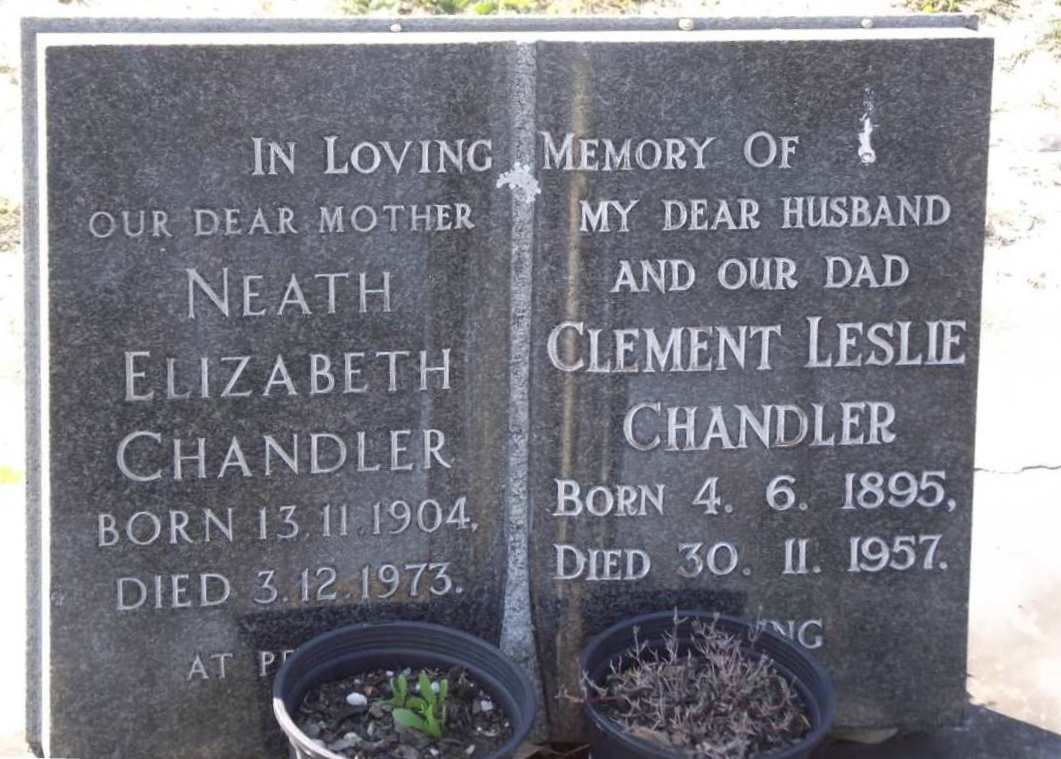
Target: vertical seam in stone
{"points": [[517, 628]]}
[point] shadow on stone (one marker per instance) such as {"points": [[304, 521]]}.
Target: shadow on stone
{"points": [[985, 734]]}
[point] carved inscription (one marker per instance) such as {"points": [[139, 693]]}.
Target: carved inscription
{"points": [[821, 341], [662, 335], [384, 538]]}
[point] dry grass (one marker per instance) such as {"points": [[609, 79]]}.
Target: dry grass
{"points": [[702, 694], [10, 225], [934, 6]]}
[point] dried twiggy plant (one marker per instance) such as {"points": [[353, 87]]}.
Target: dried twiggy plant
{"points": [[701, 693]]}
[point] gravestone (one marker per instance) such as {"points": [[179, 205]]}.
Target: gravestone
{"points": [[754, 355], [271, 378], [520, 326]]}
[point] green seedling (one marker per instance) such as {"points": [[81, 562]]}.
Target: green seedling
{"points": [[425, 712], [399, 691]]}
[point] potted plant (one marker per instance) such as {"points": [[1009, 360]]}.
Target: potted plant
{"points": [[681, 684], [404, 690]]}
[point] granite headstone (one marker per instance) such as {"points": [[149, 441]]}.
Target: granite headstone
{"points": [[274, 352], [519, 326], [754, 355]]}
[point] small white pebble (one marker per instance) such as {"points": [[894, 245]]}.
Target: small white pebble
{"points": [[356, 699], [487, 705], [350, 740], [470, 750]]}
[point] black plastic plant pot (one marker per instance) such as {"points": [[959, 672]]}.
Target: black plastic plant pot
{"points": [[611, 741], [363, 648]]}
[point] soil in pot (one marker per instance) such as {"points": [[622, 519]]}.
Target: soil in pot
{"points": [[355, 717], [707, 696]]}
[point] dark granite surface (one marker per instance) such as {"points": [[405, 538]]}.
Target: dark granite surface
{"points": [[603, 405], [171, 128], [142, 127]]}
